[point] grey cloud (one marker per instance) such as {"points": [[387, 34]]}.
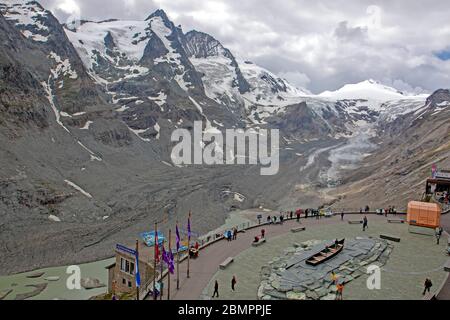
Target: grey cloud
{"points": [[343, 31]]}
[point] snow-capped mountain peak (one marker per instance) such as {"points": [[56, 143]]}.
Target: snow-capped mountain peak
{"points": [[116, 50], [365, 90], [159, 13]]}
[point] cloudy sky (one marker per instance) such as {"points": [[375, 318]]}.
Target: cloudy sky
{"points": [[319, 45]]}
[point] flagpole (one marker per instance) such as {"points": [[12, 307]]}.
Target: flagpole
{"points": [[189, 243], [168, 273], [135, 274], [161, 278], [178, 265], [154, 261]]}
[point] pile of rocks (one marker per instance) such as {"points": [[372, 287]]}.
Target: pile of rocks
{"points": [[289, 277], [91, 283]]}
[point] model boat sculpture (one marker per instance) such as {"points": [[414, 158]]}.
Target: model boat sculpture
{"points": [[327, 253]]}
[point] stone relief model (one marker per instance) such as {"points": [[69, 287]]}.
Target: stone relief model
{"points": [[289, 277]]}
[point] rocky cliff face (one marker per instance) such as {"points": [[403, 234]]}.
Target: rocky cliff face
{"points": [[202, 46], [61, 68]]}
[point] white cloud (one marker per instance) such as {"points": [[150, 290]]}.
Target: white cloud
{"points": [[68, 6]]}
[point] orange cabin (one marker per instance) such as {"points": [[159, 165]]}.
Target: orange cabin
{"points": [[424, 214]]}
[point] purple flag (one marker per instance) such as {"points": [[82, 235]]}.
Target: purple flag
{"points": [[189, 227], [165, 258], [171, 262], [178, 238]]}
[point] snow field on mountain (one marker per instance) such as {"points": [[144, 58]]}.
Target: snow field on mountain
{"points": [[26, 15]]}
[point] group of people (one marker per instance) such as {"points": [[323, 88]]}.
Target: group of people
{"points": [[194, 250], [297, 215], [259, 237], [366, 209], [231, 235], [339, 285], [275, 219], [444, 197], [216, 286], [291, 215], [388, 210]]}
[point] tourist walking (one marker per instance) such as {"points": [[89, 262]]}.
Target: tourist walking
{"points": [[342, 215], [298, 215], [427, 286], [438, 234], [339, 291], [161, 287], [233, 283], [263, 233], [334, 278], [365, 222], [281, 218], [229, 236], [235, 233], [216, 290], [269, 220]]}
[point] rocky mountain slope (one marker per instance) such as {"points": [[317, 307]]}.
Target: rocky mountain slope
{"points": [[86, 116], [407, 149]]}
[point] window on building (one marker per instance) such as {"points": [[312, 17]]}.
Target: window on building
{"points": [[124, 281], [129, 284], [126, 266]]}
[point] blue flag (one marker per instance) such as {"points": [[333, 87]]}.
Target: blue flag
{"points": [[136, 271], [178, 238]]}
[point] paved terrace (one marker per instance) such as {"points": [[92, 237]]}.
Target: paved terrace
{"points": [[415, 258], [445, 292]]}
